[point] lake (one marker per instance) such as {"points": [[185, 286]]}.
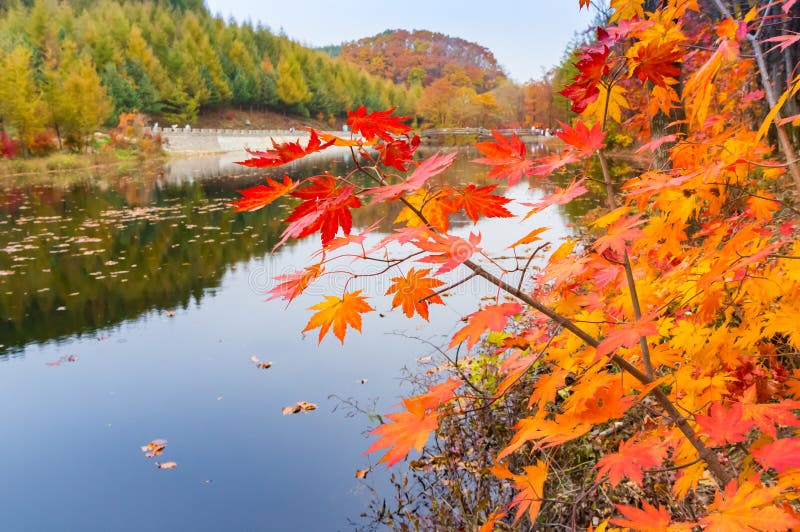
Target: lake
{"points": [[130, 307]]}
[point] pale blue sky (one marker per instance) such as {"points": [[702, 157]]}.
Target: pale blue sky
{"points": [[525, 35]]}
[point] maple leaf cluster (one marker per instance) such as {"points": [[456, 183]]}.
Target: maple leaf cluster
{"points": [[675, 315]]}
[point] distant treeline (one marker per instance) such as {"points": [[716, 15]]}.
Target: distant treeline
{"points": [[71, 66]]}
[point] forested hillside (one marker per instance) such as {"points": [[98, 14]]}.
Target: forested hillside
{"points": [[70, 66], [423, 57]]}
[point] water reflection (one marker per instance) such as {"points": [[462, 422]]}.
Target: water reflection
{"points": [[105, 256], [79, 256]]}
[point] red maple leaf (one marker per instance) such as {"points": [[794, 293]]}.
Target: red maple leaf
{"points": [[767, 415], [325, 209], [724, 426], [550, 163], [592, 65], [627, 335], [492, 318], [430, 167], [779, 455], [478, 202], [585, 140], [448, 250], [561, 196], [631, 459], [507, 156], [398, 153], [619, 234], [284, 152], [292, 285], [377, 124], [262, 195]]}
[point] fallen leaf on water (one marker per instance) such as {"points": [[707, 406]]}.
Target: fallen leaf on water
{"points": [[259, 364], [166, 465], [154, 448], [362, 473], [65, 358], [300, 406]]}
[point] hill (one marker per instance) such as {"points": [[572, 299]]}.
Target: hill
{"points": [[423, 57]]}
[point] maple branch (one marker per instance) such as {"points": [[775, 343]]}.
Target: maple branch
{"points": [[527, 264], [450, 287], [783, 137], [454, 363], [722, 475]]}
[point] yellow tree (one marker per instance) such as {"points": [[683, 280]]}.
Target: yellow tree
{"points": [[291, 85], [20, 100], [77, 102]]}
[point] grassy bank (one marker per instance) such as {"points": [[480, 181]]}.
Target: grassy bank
{"points": [[69, 162]]}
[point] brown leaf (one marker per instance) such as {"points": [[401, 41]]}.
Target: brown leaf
{"points": [[362, 473], [300, 406]]}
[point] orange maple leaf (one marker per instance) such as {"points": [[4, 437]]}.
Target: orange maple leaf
{"points": [[284, 152], [647, 519], [506, 156], [438, 394], [262, 195], [531, 491], [656, 61], [377, 124], [339, 313], [492, 318], [409, 430], [530, 486], [748, 506], [414, 292]]}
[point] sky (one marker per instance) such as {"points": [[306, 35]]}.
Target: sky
{"points": [[526, 36]]}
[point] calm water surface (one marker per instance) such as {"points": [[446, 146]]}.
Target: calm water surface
{"points": [[130, 306]]}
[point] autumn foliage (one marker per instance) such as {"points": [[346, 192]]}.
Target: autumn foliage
{"points": [[674, 325]]}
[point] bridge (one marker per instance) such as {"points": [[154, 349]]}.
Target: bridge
{"points": [[525, 134]]}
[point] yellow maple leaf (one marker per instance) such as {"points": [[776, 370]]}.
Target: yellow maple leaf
{"points": [[596, 110], [626, 9], [432, 208]]}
